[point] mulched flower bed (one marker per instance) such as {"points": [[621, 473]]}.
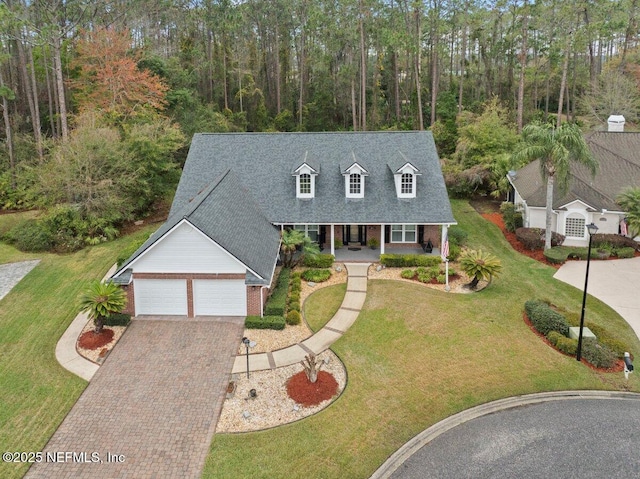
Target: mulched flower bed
{"points": [[308, 394], [91, 340]]}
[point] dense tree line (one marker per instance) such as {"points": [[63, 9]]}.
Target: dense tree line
{"points": [[179, 66]]}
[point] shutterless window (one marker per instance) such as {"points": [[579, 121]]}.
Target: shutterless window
{"points": [[305, 184], [575, 227], [355, 184], [406, 184], [312, 231], [403, 233]]}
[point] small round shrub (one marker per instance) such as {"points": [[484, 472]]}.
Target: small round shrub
{"points": [[567, 345], [408, 274], [294, 306], [454, 251], [457, 235], [425, 277], [294, 296], [452, 272], [598, 354], [296, 274], [554, 337], [442, 278], [317, 275], [293, 318], [421, 270], [625, 252]]}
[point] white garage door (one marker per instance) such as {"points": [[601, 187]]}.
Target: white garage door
{"points": [[219, 297], [160, 296]]}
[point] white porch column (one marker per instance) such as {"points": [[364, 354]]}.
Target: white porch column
{"points": [[333, 242], [382, 239]]}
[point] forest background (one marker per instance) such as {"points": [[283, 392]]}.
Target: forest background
{"points": [[99, 99]]}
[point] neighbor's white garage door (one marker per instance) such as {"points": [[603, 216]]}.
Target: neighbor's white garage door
{"points": [[219, 297], [160, 296]]}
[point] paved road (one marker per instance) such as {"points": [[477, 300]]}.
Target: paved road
{"points": [[570, 438], [155, 401]]}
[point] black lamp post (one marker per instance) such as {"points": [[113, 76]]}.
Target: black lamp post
{"points": [[592, 229], [246, 342]]}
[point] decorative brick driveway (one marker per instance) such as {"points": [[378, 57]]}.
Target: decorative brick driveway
{"points": [[155, 401]]}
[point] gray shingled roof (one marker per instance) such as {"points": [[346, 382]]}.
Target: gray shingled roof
{"points": [[264, 161], [225, 212], [618, 156]]}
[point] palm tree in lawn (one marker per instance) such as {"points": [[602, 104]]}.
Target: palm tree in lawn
{"points": [[101, 300], [291, 241], [556, 149], [629, 200]]}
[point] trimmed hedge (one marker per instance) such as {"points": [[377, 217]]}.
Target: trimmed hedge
{"points": [[533, 238], [408, 274], [119, 319], [614, 241], [266, 322], [293, 318], [409, 260], [554, 337], [545, 319], [276, 303], [567, 345], [318, 260], [316, 275]]}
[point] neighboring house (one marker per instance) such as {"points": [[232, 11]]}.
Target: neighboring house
{"points": [[217, 251], [587, 199]]}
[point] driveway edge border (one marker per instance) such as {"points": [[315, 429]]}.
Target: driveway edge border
{"points": [[413, 445]]}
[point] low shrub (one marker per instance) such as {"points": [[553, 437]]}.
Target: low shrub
{"points": [[605, 338], [293, 318], [567, 345], [408, 274], [425, 277], [557, 254], [31, 236], [294, 296], [295, 275], [408, 260], [266, 322], [544, 319], [294, 306], [554, 337], [424, 260], [457, 236], [276, 302], [625, 252], [512, 218], [441, 278], [614, 241], [597, 354], [533, 238], [119, 319], [318, 260], [316, 275], [337, 243]]}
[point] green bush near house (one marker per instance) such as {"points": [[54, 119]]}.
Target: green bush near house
{"points": [[598, 354], [409, 260], [427, 261], [293, 318], [266, 322], [512, 218], [625, 252], [318, 261], [119, 319], [316, 275], [277, 301], [545, 319], [457, 235], [408, 274]]}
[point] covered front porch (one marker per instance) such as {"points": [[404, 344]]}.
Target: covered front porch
{"points": [[366, 254]]}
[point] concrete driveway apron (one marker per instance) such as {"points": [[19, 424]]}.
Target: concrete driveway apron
{"points": [[151, 409]]}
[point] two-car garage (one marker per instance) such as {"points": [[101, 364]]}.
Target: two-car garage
{"points": [[210, 297]]}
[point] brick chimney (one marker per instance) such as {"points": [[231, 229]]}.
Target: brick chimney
{"points": [[615, 123]]}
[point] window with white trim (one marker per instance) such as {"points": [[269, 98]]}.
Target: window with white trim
{"points": [[575, 226], [355, 183], [305, 184], [406, 184], [403, 233], [310, 231]]}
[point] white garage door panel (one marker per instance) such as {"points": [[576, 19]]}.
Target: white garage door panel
{"points": [[219, 297], [161, 296]]}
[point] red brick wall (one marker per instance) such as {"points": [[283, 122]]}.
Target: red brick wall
{"points": [[254, 304], [130, 307]]}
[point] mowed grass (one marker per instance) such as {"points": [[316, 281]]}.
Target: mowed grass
{"points": [[416, 356], [35, 391]]}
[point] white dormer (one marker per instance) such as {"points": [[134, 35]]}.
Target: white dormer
{"points": [[305, 181], [354, 180], [405, 180]]}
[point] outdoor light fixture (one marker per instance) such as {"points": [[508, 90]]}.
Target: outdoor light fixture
{"points": [[246, 343], [592, 229]]}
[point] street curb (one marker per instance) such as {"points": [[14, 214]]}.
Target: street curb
{"points": [[412, 446]]}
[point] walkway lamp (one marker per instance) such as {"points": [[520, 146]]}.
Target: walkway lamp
{"points": [[246, 343], [592, 229]]}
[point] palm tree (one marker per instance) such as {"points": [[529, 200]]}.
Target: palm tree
{"points": [[556, 149], [629, 200], [101, 300], [479, 265], [291, 241]]}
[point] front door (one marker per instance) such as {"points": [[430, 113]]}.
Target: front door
{"points": [[354, 234]]}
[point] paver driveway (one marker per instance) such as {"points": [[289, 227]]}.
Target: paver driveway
{"points": [[155, 401]]}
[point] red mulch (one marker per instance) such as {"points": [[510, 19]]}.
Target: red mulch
{"points": [[91, 340], [538, 255], [310, 394], [619, 366]]}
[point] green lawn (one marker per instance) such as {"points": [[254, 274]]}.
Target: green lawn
{"points": [[35, 391], [416, 356]]}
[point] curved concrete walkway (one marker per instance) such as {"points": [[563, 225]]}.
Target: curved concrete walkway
{"points": [[323, 339], [414, 445], [66, 352]]}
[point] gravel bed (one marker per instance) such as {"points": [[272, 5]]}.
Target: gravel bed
{"points": [[272, 406]]}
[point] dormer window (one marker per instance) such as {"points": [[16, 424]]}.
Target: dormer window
{"points": [[305, 181], [405, 179], [354, 180]]}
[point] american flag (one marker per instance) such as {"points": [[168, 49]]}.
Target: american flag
{"points": [[445, 248], [623, 228]]}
